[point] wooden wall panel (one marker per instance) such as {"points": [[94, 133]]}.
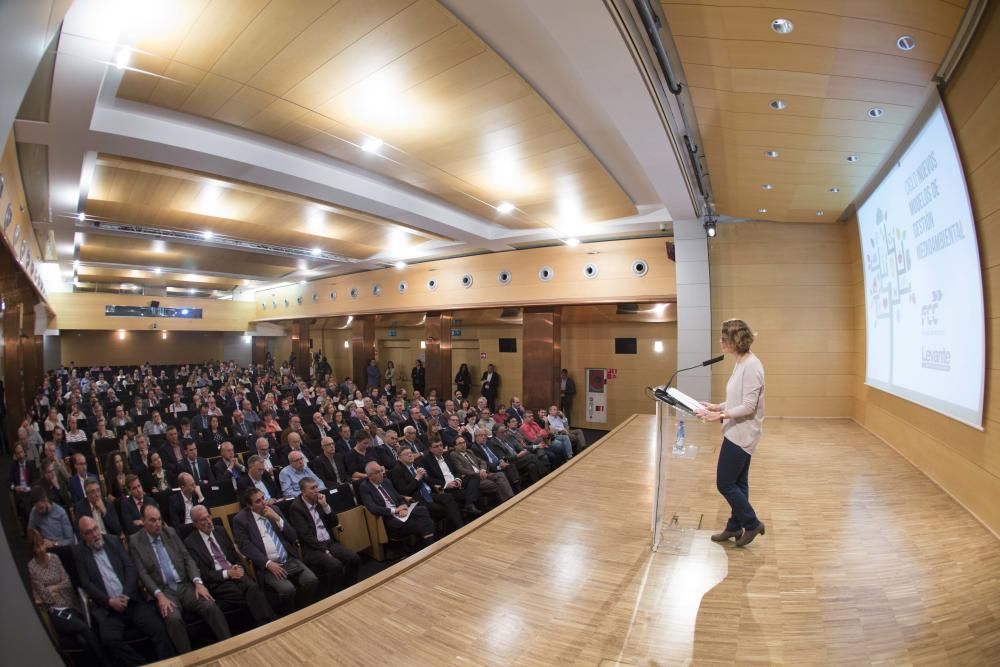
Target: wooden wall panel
{"points": [[794, 286], [614, 283], [593, 346], [963, 460], [103, 347], [85, 310]]}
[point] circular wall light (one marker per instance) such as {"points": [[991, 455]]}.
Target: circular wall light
{"points": [[906, 43], [376, 290], [504, 277], [432, 284], [402, 287], [782, 26], [466, 280], [333, 295], [354, 292], [777, 105], [640, 267], [545, 274], [590, 271]]}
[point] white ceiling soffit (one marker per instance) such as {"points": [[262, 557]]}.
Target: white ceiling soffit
{"points": [[572, 53]]}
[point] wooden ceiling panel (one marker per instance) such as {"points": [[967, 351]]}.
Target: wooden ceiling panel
{"points": [[839, 62], [456, 120], [126, 250]]}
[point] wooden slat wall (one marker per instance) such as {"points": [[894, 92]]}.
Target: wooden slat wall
{"points": [[793, 285], [963, 460], [593, 346], [85, 310], [85, 348]]}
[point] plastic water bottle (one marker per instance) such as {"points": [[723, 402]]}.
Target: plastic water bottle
{"points": [[679, 443]]}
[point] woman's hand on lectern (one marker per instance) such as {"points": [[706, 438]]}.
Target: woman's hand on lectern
{"points": [[711, 407], [709, 415]]}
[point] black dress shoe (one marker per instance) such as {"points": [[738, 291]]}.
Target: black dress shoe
{"points": [[471, 510], [749, 535], [727, 535]]}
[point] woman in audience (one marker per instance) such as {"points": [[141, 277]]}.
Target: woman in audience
{"points": [[463, 410], [102, 432], [54, 484], [390, 374], [216, 431], [157, 477], [115, 469], [51, 588], [463, 379], [75, 435], [471, 423], [53, 420]]}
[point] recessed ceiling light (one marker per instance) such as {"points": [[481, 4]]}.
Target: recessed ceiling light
{"points": [[191, 290], [208, 235], [778, 105], [76, 264], [782, 26], [400, 265], [767, 186], [771, 153], [505, 207], [572, 242], [876, 112], [157, 270], [762, 210], [821, 213], [371, 145], [81, 216], [835, 189], [159, 246], [302, 282], [906, 43], [853, 158], [122, 57], [316, 252]]}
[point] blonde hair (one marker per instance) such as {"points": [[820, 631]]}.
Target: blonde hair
{"points": [[738, 334]]}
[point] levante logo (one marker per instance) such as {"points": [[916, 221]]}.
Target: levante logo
{"points": [[936, 360]]}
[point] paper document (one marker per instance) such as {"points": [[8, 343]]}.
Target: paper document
{"points": [[409, 512], [685, 400]]}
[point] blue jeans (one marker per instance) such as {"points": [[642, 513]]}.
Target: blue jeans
{"points": [[563, 444], [732, 478]]}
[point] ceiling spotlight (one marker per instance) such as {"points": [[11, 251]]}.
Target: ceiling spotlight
{"points": [[163, 335], [157, 270], [853, 158], [159, 246], [76, 264], [191, 290], [184, 311], [710, 229], [122, 57], [400, 265], [906, 43], [762, 210], [876, 112], [782, 26], [371, 145], [767, 186], [778, 105], [302, 282], [835, 189], [820, 213], [505, 207], [81, 216], [572, 242], [771, 154], [208, 235], [316, 252]]}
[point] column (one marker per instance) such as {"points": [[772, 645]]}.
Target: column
{"points": [[300, 345], [437, 357], [362, 346], [694, 308], [542, 355]]}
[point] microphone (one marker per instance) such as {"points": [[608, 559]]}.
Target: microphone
{"points": [[707, 362]]}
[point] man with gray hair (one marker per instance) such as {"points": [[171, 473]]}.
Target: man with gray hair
{"points": [[295, 472]]}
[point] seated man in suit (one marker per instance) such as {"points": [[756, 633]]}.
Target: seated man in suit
{"points": [[411, 481], [258, 478], [343, 442], [138, 459], [530, 467], [80, 477], [321, 427], [295, 472], [223, 570], [488, 451], [23, 474], [317, 526], [240, 430], [444, 478], [133, 504], [109, 577], [266, 449], [387, 452], [330, 465], [100, 509], [294, 426], [168, 572], [182, 503], [172, 450], [268, 540], [451, 430], [381, 499], [516, 410], [469, 465], [229, 466], [411, 442], [294, 445], [195, 465]]}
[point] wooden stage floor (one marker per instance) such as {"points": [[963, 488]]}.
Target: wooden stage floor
{"points": [[865, 561]]}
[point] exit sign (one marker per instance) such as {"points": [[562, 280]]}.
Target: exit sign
{"points": [[392, 333], [612, 373], [455, 333]]}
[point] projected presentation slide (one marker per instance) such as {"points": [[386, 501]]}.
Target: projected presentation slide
{"points": [[923, 281]]}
